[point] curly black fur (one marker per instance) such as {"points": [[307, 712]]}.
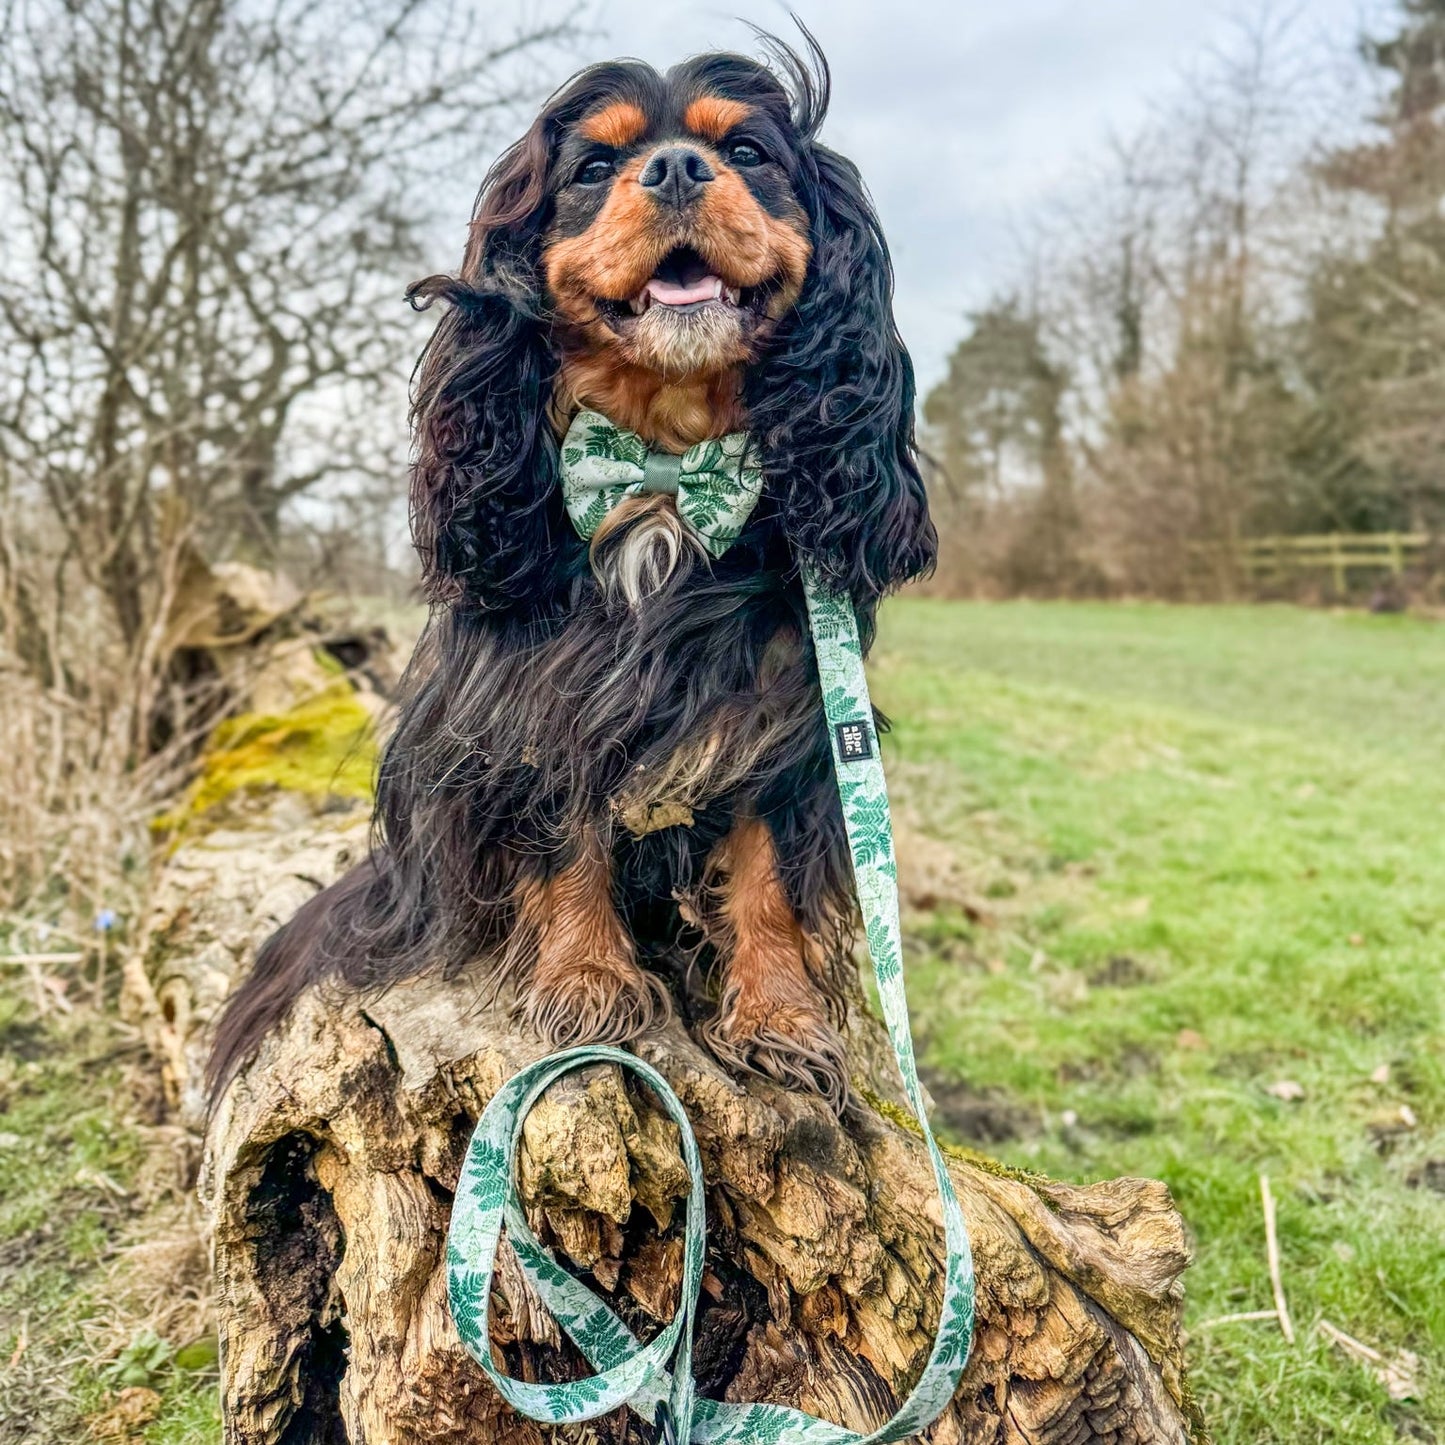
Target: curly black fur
{"points": [[535, 701]]}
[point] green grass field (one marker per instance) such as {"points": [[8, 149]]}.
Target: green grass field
{"points": [[1191, 855], [82, 1180], [1204, 853]]}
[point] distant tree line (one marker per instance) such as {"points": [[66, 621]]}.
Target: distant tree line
{"points": [[1236, 335]]}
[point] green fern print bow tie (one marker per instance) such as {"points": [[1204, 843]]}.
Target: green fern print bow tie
{"points": [[717, 483]]}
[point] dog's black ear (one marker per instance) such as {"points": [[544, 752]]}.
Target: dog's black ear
{"points": [[486, 515], [832, 408]]}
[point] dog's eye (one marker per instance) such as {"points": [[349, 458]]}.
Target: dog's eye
{"points": [[745, 153], [594, 173]]}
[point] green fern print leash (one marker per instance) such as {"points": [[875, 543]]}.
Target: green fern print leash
{"points": [[716, 484]]}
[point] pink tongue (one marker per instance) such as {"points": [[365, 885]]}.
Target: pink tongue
{"points": [[670, 293]]}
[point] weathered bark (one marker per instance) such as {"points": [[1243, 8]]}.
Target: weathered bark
{"points": [[218, 897], [330, 1166]]}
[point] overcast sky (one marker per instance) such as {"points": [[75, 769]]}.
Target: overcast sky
{"points": [[967, 117]]}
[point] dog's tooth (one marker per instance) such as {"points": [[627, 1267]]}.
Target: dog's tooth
{"points": [[733, 294], [717, 287]]}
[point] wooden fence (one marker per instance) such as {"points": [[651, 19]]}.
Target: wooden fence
{"points": [[1339, 553]]}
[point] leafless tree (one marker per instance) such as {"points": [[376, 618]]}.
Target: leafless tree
{"points": [[1164, 294], [211, 210]]}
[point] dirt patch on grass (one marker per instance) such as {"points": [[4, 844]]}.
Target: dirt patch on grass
{"points": [[976, 1116], [932, 874], [1429, 1175], [1119, 971], [23, 1040]]}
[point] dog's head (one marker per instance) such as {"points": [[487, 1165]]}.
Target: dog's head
{"points": [[680, 253], [677, 238]]}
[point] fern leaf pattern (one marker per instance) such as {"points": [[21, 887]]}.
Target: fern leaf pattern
{"points": [[719, 480]]}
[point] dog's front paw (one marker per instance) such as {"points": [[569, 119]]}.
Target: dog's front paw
{"points": [[594, 1001], [789, 1042]]}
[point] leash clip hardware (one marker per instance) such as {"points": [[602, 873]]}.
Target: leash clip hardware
{"points": [[662, 1420]]}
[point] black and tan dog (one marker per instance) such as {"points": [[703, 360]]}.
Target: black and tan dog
{"points": [[604, 750]]}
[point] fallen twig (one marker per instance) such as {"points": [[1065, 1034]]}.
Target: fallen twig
{"points": [[28, 958], [1246, 1317], [1398, 1376], [1350, 1344], [1271, 1245]]}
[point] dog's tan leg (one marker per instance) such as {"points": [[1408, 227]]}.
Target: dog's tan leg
{"points": [[585, 986], [772, 1018]]}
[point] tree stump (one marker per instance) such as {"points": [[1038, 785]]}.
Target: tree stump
{"points": [[329, 1172], [329, 1168]]}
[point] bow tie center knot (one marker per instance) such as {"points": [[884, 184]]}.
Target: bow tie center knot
{"points": [[661, 473]]}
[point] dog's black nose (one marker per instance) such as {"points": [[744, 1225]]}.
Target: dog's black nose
{"points": [[678, 174]]}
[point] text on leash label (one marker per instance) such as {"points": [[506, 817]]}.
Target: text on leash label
{"points": [[855, 741]]}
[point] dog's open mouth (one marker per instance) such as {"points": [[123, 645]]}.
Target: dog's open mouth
{"points": [[685, 285]]}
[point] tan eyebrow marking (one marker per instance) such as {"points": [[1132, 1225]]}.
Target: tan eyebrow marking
{"points": [[714, 116], [618, 124]]}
